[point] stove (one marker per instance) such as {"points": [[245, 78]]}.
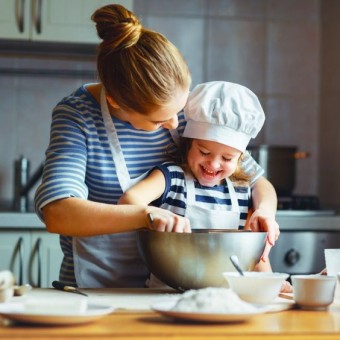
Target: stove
{"points": [[306, 231]]}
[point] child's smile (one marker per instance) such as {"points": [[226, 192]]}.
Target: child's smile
{"points": [[212, 162]]}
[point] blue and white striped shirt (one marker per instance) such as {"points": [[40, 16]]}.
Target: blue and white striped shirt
{"points": [[217, 197]]}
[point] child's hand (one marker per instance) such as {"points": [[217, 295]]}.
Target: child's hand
{"points": [[323, 271], [260, 220], [164, 220], [286, 287]]}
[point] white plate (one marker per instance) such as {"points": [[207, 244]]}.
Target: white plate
{"points": [[165, 308], [92, 313]]}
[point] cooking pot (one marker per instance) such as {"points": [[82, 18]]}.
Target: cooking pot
{"points": [[198, 259], [279, 165]]}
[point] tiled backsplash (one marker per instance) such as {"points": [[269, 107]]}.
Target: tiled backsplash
{"points": [[271, 46], [26, 104]]}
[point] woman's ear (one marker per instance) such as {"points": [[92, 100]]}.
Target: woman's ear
{"points": [[112, 102]]}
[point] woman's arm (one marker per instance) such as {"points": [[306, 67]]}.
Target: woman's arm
{"points": [[78, 217]]}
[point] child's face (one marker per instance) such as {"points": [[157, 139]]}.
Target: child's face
{"points": [[212, 162]]}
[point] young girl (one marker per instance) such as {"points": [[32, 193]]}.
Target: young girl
{"points": [[207, 184]]}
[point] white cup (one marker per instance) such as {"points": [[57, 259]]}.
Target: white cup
{"points": [[6, 285], [313, 291], [332, 259]]}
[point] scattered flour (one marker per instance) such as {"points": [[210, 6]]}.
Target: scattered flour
{"points": [[212, 300]]}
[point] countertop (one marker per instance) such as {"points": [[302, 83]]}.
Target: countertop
{"points": [[288, 220], [20, 220], [135, 320], [314, 222]]}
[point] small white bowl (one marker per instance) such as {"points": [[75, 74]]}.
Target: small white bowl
{"points": [[256, 287], [6, 285], [6, 294], [313, 291]]}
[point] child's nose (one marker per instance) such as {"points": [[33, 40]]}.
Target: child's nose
{"points": [[214, 162]]}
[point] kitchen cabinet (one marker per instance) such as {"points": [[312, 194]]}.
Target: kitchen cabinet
{"points": [[34, 256], [51, 20]]}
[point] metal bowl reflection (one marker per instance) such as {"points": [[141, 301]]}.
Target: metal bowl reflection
{"points": [[198, 259]]}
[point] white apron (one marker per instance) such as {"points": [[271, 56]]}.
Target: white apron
{"points": [[110, 260], [203, 218]]}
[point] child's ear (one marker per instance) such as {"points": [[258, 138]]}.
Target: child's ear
{"points": [[112, 102]]}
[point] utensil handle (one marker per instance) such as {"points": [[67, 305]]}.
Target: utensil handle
{"points": [[236, 264], [58, 285], [62, 286]]}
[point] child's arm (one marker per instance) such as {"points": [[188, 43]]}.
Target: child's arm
{"points": [[261, 266], [148, 190], [145, 191], [263, 219]]}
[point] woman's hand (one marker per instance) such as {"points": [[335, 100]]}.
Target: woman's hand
{"points": [[261, 220], [163, 220]]}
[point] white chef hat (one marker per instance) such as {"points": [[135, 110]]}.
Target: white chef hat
{"points": [[223, 112]]}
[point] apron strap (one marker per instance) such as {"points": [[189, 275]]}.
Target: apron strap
{"points": [[117, 153], [189, 182], [232, 193]]}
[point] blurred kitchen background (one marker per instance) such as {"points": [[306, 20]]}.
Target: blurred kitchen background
{"points": [[286, 51]]}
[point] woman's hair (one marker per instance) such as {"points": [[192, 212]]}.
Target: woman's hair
{"points": [[140, 69], [181, 158]]}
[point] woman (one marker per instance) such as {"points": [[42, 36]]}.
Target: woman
{"points": [[104, 138]]}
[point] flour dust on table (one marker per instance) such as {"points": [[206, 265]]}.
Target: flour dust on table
{"points": [[212, 300]]}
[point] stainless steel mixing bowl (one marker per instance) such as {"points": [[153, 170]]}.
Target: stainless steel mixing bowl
{"points": [[198, 259]]}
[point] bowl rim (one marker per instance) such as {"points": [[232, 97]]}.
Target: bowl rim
{"points": [[207, 231], [313, 277], [212, 230], [257, 275]]}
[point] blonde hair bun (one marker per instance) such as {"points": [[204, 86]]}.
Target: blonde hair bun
{"points": [[139, 68], [117, 27]]}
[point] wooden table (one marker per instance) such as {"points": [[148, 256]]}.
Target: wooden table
{"points": [[144, 324]]}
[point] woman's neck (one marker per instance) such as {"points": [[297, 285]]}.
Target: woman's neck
{"points": [[95, 90]]}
